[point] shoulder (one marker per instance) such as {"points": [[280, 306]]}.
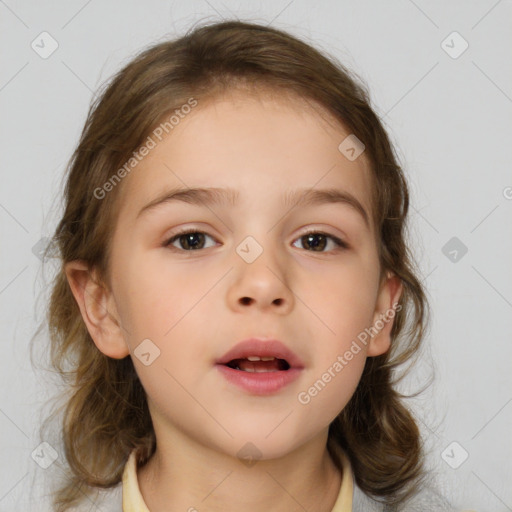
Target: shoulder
{"points": [[106, 500], [427, 498]]}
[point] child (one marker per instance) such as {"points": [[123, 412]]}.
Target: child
{"points": [[236, 290]]}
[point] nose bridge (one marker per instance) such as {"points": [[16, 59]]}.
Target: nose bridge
{"points": [[261, 274]]}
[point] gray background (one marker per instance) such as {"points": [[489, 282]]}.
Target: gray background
{"points": [[450, 119]]}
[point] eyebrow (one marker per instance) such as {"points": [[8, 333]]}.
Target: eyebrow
{"points": [[213, 196]]}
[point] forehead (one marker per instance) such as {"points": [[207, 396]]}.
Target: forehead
{"points": [[262, 145]]}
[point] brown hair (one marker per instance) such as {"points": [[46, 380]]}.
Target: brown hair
{"points": [[106, 414]]}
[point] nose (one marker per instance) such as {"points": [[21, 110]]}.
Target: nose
{"points": [[263, 284]]}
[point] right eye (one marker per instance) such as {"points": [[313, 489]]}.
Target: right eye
{"points": [[189, 239]]}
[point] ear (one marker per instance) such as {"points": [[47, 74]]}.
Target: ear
{"points": [[386, 308], [98, 309]]}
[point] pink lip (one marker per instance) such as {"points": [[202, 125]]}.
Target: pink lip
{"points": [[264, 383]]}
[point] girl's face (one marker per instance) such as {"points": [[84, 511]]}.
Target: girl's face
{"points": [[249, 271]]}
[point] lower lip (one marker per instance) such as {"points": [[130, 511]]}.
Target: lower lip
{"points": [[264, 383]]}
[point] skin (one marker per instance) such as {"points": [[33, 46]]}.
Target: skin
{"points": [[189, 304]]}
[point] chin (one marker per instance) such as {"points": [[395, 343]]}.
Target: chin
{"points": [[255, 446]]}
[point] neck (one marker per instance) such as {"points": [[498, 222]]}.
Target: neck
{"points": [[191, 476]]}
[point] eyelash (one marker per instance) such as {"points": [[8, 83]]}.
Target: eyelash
{"points": [[341, 245]]}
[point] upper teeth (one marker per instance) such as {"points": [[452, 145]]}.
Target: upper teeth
{"points": [[257, 358]]}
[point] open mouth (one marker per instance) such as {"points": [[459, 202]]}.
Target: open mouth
{"points": [[260, 367], [259, 364]]}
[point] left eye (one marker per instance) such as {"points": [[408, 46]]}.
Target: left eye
{"points": [[193, 240], [318, 241]]}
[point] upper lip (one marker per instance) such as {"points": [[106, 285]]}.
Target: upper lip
{"points": [[262, 348]]}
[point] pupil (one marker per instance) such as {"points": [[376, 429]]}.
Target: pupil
{"points": [[317, 244], [189, 237]]}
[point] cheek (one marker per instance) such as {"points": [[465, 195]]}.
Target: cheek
{"points": [[169, 306], [344, 300], [152, 305], [331, 390]]}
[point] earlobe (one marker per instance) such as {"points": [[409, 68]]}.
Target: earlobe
{"points": [[96, 306], [385, 312]]}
